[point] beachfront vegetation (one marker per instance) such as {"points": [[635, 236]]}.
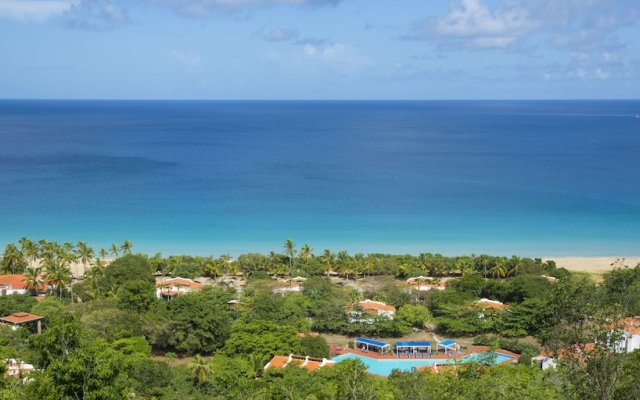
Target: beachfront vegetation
{"points": [[109, 336]]}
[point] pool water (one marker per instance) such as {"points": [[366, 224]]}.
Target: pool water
{"points": [[386, 366]]}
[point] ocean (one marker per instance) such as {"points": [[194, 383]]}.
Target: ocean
{"points": [[532, 178]]}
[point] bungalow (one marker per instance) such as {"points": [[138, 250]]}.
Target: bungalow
{"points": [[20, 319], [371, 308], [16, 368], [631, 334], [493, 304], [286, 287], [170, 288], [426, 283], [12, 284], [309, 363]]}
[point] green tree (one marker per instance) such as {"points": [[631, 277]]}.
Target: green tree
{"points": [[416, 316], [306, 253], [84, 254], [126, 247], [290, 252], [33, 281], [13, 260], [58, 274], [94, 371], [137, 295], [200, 370], [263, 338]]}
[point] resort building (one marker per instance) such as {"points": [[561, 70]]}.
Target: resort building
{"points": [[426, 283], [377, 308], [170, 288], [309, 363], [21, 319], [366, 310], [286, 287], [12, 284], [17, 368], [631, 334], [490, 304]]}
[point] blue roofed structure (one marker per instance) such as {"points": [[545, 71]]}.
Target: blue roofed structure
{"points": [[370, 344], [447, 345]]}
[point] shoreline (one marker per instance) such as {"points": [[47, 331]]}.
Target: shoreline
{"points": [[592, 265]]}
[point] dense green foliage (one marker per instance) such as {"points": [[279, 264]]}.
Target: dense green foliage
{"points": [[114, 339]]}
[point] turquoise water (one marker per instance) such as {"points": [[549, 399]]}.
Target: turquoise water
{"points": [[502, 177], [385, 367]]}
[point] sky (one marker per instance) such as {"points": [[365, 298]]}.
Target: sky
{"points": [[320, 49]]}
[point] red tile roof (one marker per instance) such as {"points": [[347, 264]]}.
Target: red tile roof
{"points": [[376, 305], [630, 325], [309, 363], [486, 303], [13, 281], [21, 318], [181, 282]]}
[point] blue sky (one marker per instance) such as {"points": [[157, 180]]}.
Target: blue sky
{"points": [[320, 49]]}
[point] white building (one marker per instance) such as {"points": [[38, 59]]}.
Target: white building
{"points": [[631, 334], [283, 288], [12, 284], [426, 283], [176, 286]]}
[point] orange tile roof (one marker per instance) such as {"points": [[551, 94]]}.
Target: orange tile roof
{"points": [[188, 283], [376, 305], [630, 325], [309, 363], [21, 318], [14, 281], [486, 303], [278, 362]]}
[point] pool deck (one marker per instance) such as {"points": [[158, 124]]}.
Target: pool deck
{"points": [[339, 350]]}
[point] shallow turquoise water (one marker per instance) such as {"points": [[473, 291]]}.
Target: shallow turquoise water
{"points": [[385, 367], [503, 177]]}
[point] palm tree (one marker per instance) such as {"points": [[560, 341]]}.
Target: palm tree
{"points": [[84, 253], [344, 263], [290, 251], [213, 268], [58, 274], [12, 259], [32, 280], [200, 370], [328, 260], [29, 249], [97, 267], [306, 253], [126, 247], [499, 270], [114, 250], [103, 253]]}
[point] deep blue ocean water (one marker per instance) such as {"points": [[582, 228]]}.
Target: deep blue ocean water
{"points": [[502, 177]]}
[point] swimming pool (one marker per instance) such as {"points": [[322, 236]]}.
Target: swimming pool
{"points": [[386, 366]]}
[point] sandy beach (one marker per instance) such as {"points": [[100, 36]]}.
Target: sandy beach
{"points": [[591, 264]]}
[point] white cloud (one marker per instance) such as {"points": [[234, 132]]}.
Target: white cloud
{"points": [[580, 66], [565, 24], [340, 57], [97, 15], [34, 9], [280, 35], [191, 61], [472, 25], [209, 8]]}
